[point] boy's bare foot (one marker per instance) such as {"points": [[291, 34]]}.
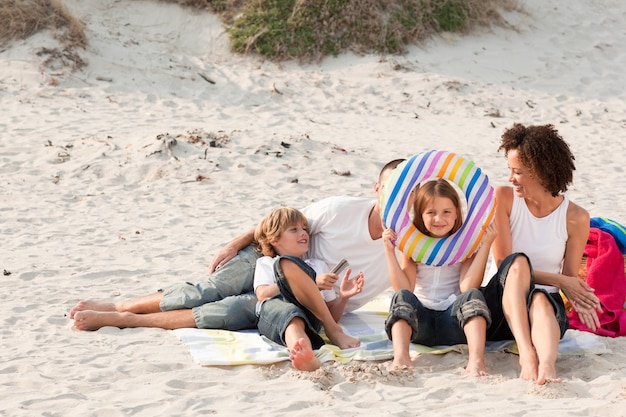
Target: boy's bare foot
{"points": [[93, 305], [547, 373], [342, 340], [302, 356]]}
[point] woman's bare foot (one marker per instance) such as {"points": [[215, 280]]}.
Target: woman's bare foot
{"points": [[302, 356], [339, 338], [476, 368], [93, 305], [529, 364], [547, 373], [93, 320]]}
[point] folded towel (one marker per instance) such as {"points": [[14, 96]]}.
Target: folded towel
{"points": [[605, 274], [613, 228]]}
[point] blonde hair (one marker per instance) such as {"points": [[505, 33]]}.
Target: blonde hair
{"points": [[272, 226], [425, 193]]}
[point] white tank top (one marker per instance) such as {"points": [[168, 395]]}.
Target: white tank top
{"points": [[438, 286], [542, 239]]}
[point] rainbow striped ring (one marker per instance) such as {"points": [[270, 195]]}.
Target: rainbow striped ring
{"points": [[479, 195]]}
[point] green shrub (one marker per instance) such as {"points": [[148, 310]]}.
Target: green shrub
{"points": [[311, 29], [451, 15], [307, 30]]}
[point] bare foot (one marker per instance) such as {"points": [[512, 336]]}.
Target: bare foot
{"points": [[476, 368], [302, 356], [92, 320], [529, 364], [93, 305], [547, 373], [339, 338], [401, 362]]}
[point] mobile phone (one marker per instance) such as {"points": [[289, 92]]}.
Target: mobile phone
{"points": [[341, 265]]}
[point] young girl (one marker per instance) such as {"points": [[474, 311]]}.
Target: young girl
{"points": [[438, 305], [290, 305]]}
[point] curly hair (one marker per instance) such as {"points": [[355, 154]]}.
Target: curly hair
{"points": [[272, 226], [425, 193], [544, 152]]}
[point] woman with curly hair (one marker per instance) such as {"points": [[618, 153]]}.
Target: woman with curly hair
{"points": [[538, 249]]}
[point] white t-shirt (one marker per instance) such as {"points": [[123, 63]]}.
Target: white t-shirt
{"points": [[438, 286], [338, 227], [264, 275]]}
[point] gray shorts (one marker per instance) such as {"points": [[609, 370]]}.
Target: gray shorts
{"points": [[275, 315], [226, 301], [277, 312]]}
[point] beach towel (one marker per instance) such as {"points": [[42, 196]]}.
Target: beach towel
{"points": [[221, 347], [613, 228], [605, 274]]}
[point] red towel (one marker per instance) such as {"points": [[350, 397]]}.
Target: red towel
{"points": [[605, 274]]}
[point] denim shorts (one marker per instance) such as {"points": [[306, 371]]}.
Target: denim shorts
{"points": [[494, 290], [277, 312], [226, 301], [275, 315], [433, 327]]}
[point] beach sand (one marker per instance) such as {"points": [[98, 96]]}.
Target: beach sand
{"points": [[127, 176]]}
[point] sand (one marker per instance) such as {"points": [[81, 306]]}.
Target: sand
{"points": [[110, 188]]}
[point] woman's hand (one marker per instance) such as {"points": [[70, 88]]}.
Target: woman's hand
{"points": [[583, 300], [580, 294], [588, 316]]}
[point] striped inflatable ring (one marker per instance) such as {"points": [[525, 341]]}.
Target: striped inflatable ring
{"points": [[474, 184]]}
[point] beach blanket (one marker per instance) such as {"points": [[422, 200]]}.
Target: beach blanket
{"points": [[605, 274], [221, 347]]}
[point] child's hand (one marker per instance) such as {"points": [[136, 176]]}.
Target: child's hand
{"points": [[389, 237], [326, 281], [350, 287], [490, 234]]}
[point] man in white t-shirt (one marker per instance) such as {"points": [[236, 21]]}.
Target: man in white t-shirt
{"points": [[350, 228], [340, 227]]}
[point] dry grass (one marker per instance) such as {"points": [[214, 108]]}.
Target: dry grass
{"points": [[306, 30], [23, 18]]}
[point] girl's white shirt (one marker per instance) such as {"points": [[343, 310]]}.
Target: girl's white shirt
{"points": [[437, 287]]}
